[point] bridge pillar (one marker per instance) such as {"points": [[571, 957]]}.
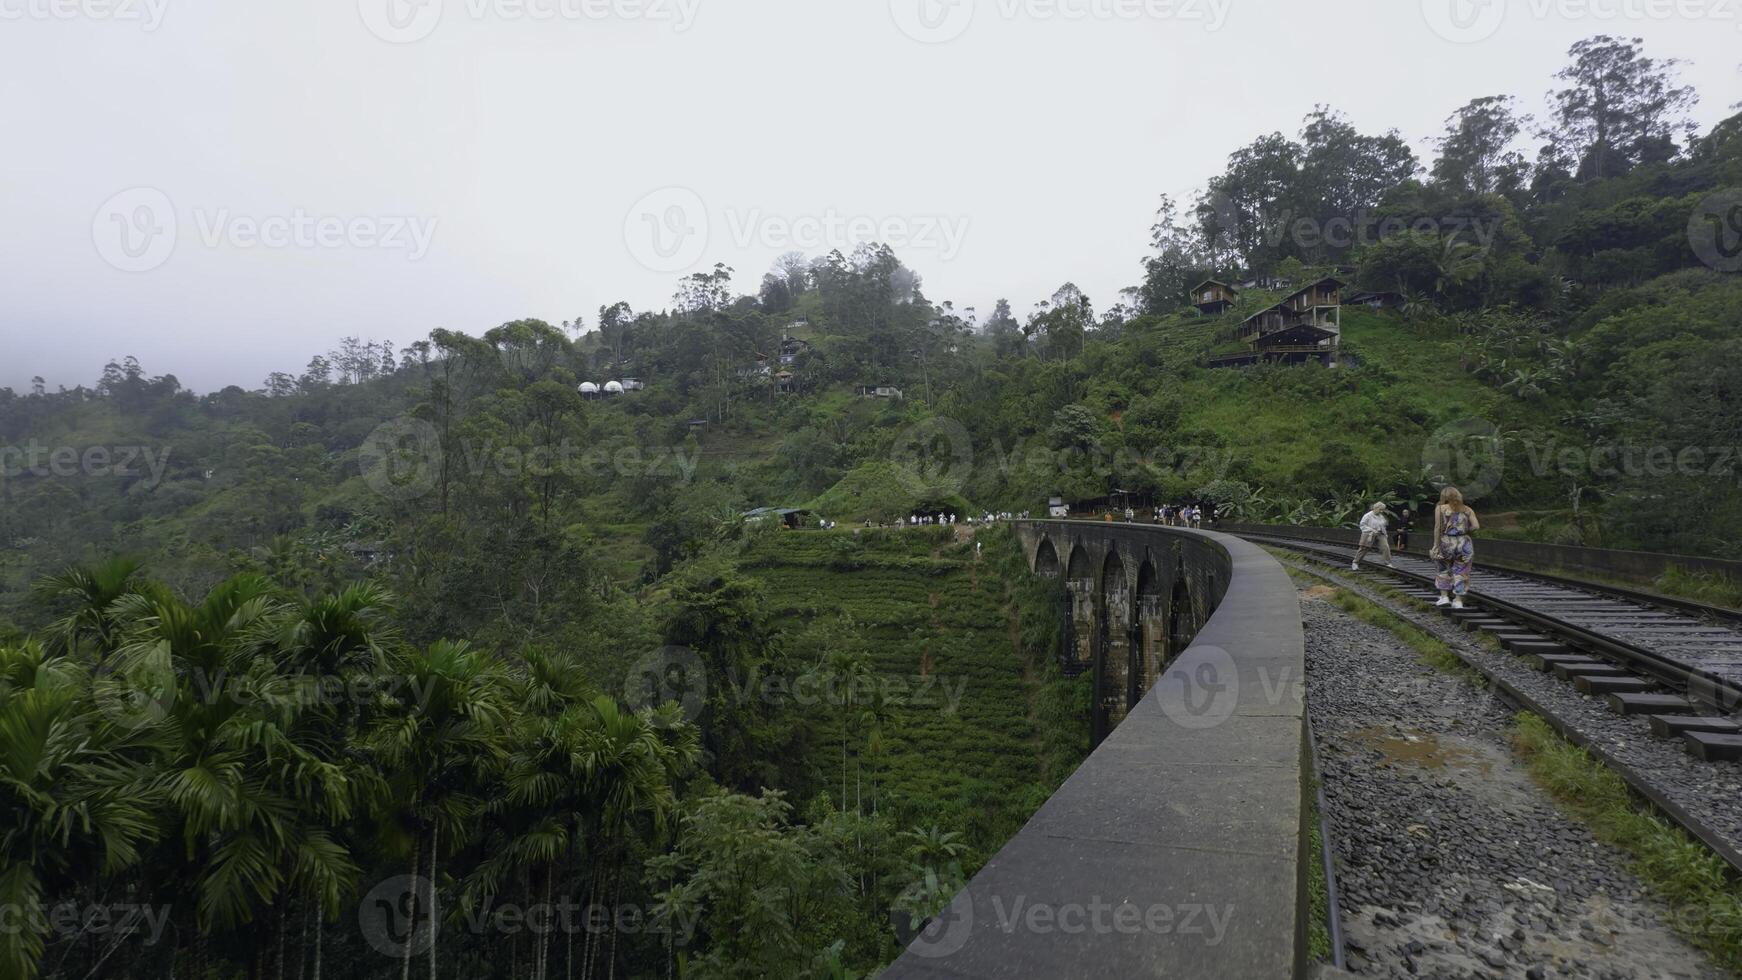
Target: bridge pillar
{"points": [[1084, 626], [1151, 644], [1116, 673]]}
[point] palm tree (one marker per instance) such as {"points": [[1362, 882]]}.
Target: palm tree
{"points": [[590, 782], [76, 794], [94, 590], [1458, 263], [255, 777], [441, 747]]}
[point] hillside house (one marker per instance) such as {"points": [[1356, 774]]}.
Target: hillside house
{"points": [[790, 349], [1307, 325], [1377, 300], [1213, 297]]}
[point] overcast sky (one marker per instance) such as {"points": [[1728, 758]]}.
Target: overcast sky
{"points": [[225, 188]]}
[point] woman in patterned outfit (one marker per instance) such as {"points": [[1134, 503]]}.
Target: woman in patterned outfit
{"points": [[1455, 552]]}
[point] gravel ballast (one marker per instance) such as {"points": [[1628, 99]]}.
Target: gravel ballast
{"points": [[1451, 862]]}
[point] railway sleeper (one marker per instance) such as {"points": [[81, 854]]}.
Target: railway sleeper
{"points": [[1649, 704], [1538, 648], [1669, 726], [1590, 684], [1714, 746], [1574, 671], [1545, 662]]}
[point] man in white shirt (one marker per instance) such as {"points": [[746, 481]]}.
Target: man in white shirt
{"points": [[1374, 531]]}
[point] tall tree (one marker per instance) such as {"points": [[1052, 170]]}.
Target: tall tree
{"points": [[1476, 153], [1619, 108]]}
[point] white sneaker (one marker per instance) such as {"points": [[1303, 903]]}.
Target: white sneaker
{"points": [[1390, 565], [1457, 603], [1354, 566], [1443, 601]]}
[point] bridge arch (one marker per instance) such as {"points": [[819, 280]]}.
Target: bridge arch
{"points": [[1046, 560]]}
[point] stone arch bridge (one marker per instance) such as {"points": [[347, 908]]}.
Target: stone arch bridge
{"points": [[1135, 596]]}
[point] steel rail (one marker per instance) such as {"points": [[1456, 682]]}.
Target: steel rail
{"points": [[1716, 692]]}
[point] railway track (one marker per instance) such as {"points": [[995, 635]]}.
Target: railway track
{"points": [[1676, 664]]}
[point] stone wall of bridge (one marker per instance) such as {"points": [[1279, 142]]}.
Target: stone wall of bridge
{"points": [[1179, 847]]}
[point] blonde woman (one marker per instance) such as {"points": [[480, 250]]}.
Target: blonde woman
{"points": [[1453, 549], [1375, 533]]}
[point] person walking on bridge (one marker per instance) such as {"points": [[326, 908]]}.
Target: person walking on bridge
{"points": [[1453, 548], [1374, 533]]}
